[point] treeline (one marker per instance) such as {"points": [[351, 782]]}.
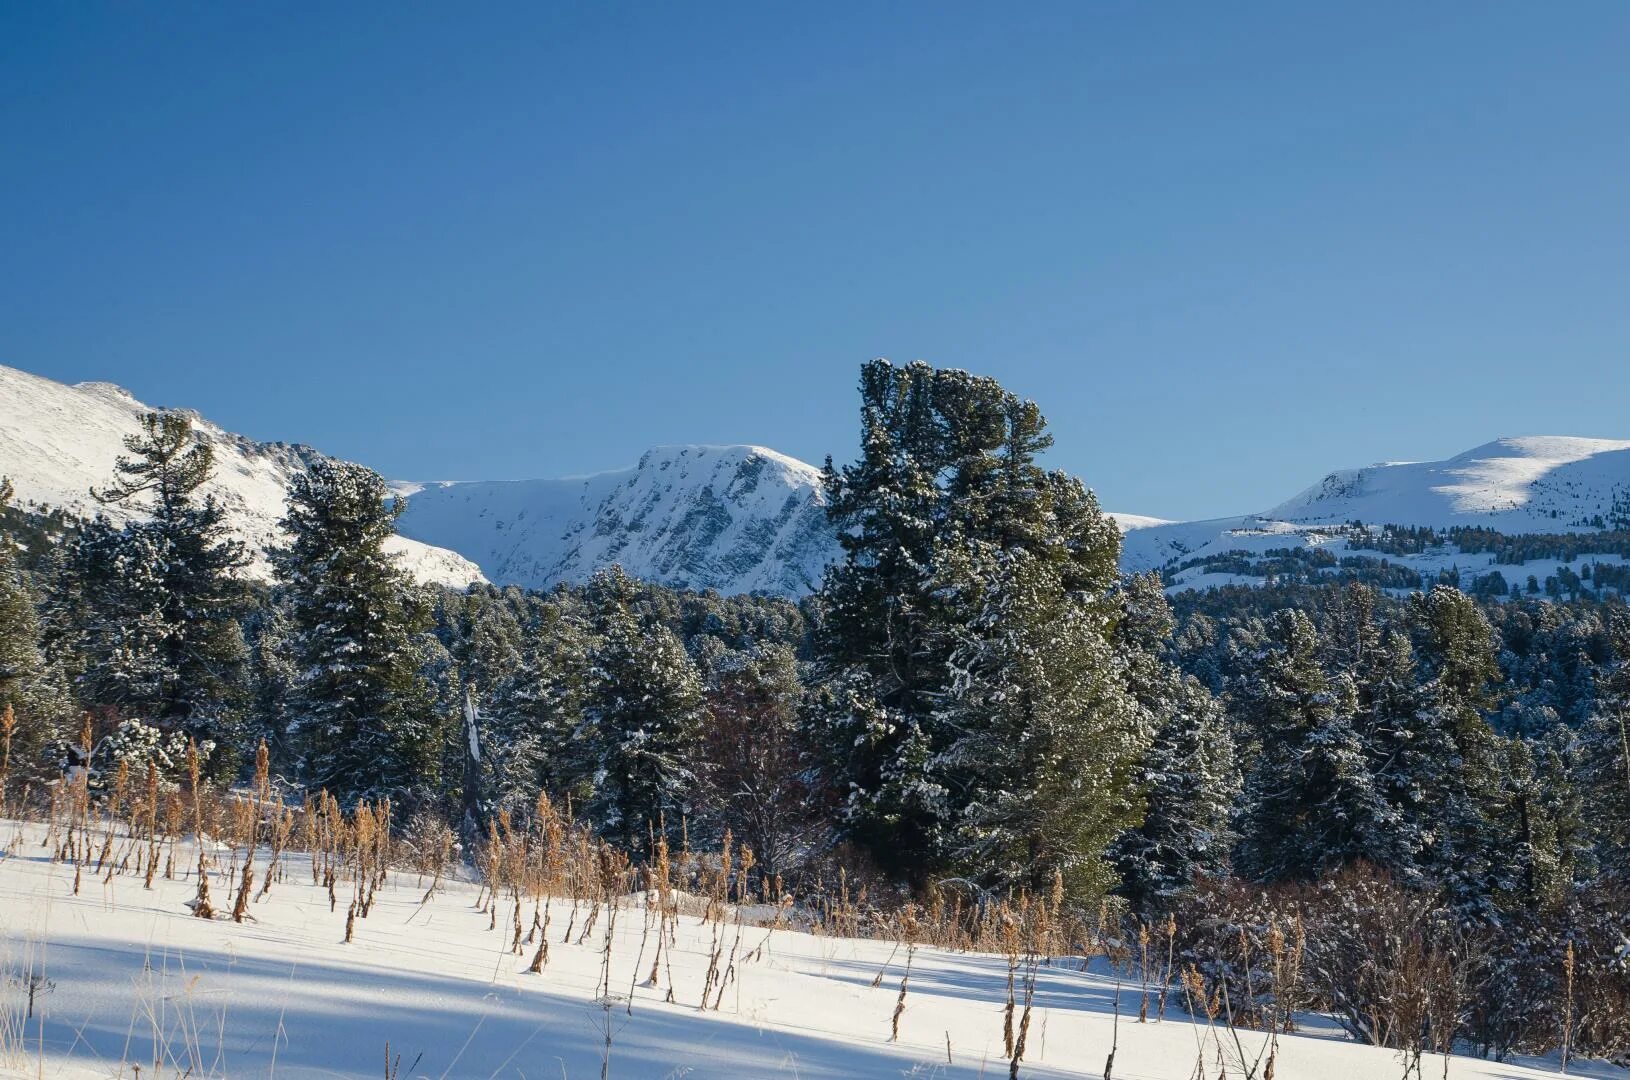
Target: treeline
{"points": [[1608, 536], [975, 701]]}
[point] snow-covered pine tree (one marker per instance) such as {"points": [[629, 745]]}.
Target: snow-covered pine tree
{"points": [[1457, 651], [1188, 776], [636, 746], [365, 717], [1411, 754], [972, 601], [525, 657], [1311, 802], [1041, 738], [1604, 759], [29, 685], [163, 596], [273, 673], [878, 669], [1541, 824]]}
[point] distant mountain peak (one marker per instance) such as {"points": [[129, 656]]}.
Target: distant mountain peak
{"points": [[735, 518], [1514, 485]]}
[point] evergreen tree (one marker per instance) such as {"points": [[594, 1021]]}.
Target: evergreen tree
{"points": [[1042, 739], [1188, 774], [273, 674], [964, 661], [879, 669], [29, 685], [1603, 765], [1458, 654], [1311, 800], [644, 711], [1541, 823], [525, 660], [1460, 657], [1411, 754], [163, 596], [364, 715]]}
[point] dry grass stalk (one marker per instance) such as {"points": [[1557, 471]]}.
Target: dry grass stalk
{"points": [[201, 906]]}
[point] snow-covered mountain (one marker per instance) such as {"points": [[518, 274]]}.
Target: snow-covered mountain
{"points": [[748, 519], [56, 441], [1540, 484], [732, 518]]}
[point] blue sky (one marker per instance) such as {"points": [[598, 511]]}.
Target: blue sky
{"points": [[1225, 246]]}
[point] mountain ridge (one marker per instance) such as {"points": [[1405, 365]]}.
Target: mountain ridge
{"points": [[744, 518], [1513, 485], [57, 440], [736, 518]]}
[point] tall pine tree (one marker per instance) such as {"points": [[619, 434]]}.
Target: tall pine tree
{"points": [[644, 710], [30, 686], [162, 595], [365, 719], [968, 685], [1188, 775]]}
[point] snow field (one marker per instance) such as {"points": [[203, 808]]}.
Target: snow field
{"points": [[127, 977]]}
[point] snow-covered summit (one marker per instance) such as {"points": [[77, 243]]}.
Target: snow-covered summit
{"points": [[1518, 485], [732, 518], [56, 441]]}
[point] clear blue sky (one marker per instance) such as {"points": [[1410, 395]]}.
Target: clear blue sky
{"points": [[1225, 246]]}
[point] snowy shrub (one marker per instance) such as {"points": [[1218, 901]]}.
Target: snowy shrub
{"points": [[136, 744]]}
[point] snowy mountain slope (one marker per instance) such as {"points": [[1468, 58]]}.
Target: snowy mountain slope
{"points": [[732, 518], [56, 441], [1543, 484], [1129, 522], [1529, 484]]}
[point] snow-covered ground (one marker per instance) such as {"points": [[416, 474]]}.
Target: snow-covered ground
{"points": [[128, 977]]}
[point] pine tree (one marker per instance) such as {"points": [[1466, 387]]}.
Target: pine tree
{"points": [[1188, 774], [969, 616], [1042, 740], [1603, 765], [1411, 754], [1458, 656], [1541, 824], [365, 717], [1311, 800], [29, 685], [644, 711], [879, 670], [163, 596], [525, 660], [273, 674]]}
